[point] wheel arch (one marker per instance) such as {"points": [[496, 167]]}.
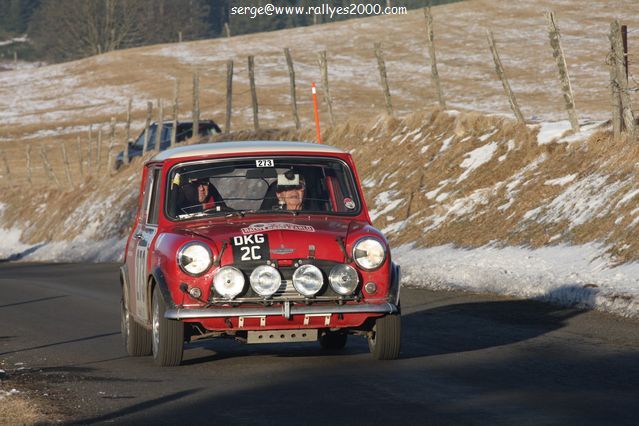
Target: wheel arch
{"points": [[157, 280]]}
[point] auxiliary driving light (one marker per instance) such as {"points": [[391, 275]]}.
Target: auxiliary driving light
{"points": [[343, 279], [228, 282], [265, 280], [308, 280]]}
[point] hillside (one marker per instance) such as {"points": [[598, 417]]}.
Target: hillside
{"points": [[438, 183]]}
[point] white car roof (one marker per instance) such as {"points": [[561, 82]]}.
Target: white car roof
{"points": [[244, 147]]}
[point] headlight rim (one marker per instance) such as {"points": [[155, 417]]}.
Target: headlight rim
{"points": [[369, 237], [321, 274], [181, 250], [357, 280], [279, 274], [241, 274]]}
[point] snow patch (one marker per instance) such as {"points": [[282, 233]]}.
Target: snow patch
{"points": [[581, 276], [562, 180], [476, 158]]}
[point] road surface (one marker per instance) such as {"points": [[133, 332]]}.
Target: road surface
{"points": [[466, 359]]}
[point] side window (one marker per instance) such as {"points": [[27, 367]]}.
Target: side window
{"points": [[139, 142], [152, 135], [154, 202]]}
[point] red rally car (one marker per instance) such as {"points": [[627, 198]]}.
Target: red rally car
{"points": [[260, 241]]}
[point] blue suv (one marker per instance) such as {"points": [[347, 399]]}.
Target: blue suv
{"points": [[184, 132]]}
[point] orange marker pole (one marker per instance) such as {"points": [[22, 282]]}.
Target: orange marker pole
{"points": [[317, 123]]}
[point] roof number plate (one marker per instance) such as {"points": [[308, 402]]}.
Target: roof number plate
{"points": [[264, 163]]}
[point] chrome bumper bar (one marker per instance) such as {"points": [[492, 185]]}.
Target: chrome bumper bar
{"points": [[367, 308]]}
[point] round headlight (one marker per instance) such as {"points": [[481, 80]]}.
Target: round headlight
{"points": [[229, 282], [265, 280], [194, 258], [343, 279], [308, 280], [369, 253]]}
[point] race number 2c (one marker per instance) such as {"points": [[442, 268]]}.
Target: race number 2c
{"points": [[250, 247]]}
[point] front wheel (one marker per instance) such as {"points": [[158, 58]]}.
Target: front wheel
{"points": [[385, 339], [137, 339], [168, 335]]}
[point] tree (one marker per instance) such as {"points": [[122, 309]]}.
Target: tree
{"points": [[15, 15], [71, 29]]}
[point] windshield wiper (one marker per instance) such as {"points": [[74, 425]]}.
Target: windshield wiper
{"points": [[293, 212], [243, 213], [190, 215]]}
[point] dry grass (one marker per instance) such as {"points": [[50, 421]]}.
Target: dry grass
{"points": [[17, 410]]}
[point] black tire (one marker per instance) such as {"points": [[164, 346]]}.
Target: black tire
{"points": [[167, 335], [137, 339], [385, 341], [333, 340]]}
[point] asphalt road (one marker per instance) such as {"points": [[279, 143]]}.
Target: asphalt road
{"points": [[466, 359]]}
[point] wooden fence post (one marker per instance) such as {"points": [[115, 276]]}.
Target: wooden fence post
{"points": [[80, 157], [147, 125], [29, 171], [323, 64], [558, 54], [110, 162], [196, 105], [229, 95], [98, 160], [89, 150], [251, 71], [291, 74], [614, 91], [381, 65], [127, 138], [502, 76], [160, 126], [176, 94], [47, 166], [65, 158], [434, 74], [227, 30], [620, 81]]}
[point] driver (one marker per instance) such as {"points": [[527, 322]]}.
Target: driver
{"points": [[290, 190], [199, 195]]}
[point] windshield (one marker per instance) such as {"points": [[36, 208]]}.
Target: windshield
{"points": [[261, 185]]}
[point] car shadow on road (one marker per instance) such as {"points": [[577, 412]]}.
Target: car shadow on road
{"points": [[443, 377], [472, 326], [472, 390]]}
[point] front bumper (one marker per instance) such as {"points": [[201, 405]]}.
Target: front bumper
{"points": [[286, 311]]}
